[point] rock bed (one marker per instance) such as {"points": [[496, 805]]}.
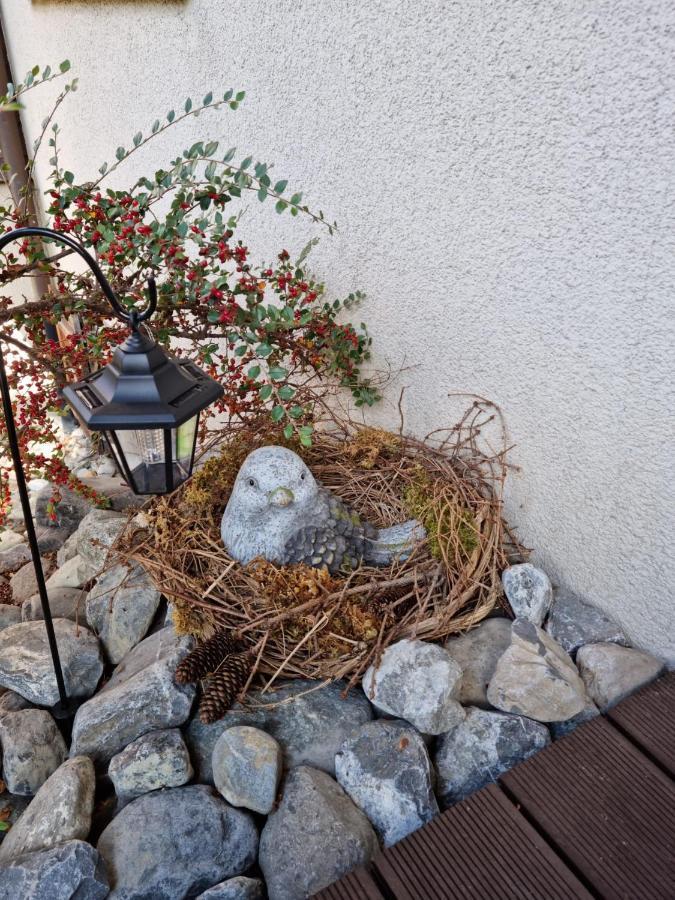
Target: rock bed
{"points": [[285, 795]]}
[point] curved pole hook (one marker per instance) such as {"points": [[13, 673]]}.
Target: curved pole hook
{"points": [[133, 317]]}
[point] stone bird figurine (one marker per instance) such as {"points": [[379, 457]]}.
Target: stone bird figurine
{"points": [[277, 510]]}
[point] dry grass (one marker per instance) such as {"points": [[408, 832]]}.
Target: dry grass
{"points": [[301, 622]]}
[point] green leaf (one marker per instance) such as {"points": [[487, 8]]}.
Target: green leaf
{"points": [[46, 73], [281, 186], [246, 163], [240, 96], [64, 66], [234, 104], [306, 435], [265, 392], [262, 194], [295, 199], [69, 177], [120, 153], [138, 137], [213, 315], [170, 116], [207, 99], [280, 206], [227, 95], [253, 372], [229, 156], [182, 229], [188, 105], [277, 413], [288, 431], [286, 392], [155, 126], [5, 826], [278, 373], [104, 168], [295, 412], [263, 350]]}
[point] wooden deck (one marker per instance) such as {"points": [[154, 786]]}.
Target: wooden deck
{"points": [[591, 816]]}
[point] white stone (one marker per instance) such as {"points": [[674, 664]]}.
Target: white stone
{"points": [[247, 768], [611, 672], [155, 760], [528, 591], [418, 682], [32, 749]]}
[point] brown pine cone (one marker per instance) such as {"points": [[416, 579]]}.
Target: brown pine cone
{"points": [[223, 686], [205, 658]]}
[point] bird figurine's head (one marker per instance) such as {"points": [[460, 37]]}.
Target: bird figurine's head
{"points": [[273, 495]]}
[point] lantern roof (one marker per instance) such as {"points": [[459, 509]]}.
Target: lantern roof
{"points": [[143, 386]]}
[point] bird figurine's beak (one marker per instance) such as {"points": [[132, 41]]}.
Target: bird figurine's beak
{"points": [[281, 496]]}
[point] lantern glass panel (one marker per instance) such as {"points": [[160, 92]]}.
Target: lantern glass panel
{"points": [[140, 456], [183, 443]]}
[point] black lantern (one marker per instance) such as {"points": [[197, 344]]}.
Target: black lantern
{"points": [[145, 401]]}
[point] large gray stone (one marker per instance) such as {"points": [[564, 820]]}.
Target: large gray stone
{"points": [[480, 748], [418, 682], [9, 539], [176, 843], [529, 592], [14, 557], [611, 673], [66, 514], [239, 888], [71, 871], [50, 539], [386, 771], [26, 664], [536, 678], [64, 603], [141, 696], [155, 760], [477, 652], [32, 749], [61, 811], [9, 615], [310, 723], [10, 701], [67, 550], [247, 768], [120, 608], [97, 533], [573, 623], [315, 836], [24, 581], [73, 574]]}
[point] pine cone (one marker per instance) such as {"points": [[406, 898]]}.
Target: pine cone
{"points": [[205, 658], [223, 686]]}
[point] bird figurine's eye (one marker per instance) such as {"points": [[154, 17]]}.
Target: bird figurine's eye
{"points": [[251, 482], [302, 476]]}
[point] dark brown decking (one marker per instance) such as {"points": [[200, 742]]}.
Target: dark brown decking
{"points": [[593, 815]]}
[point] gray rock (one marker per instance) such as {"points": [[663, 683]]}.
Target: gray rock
{"points": [[247, 768], [12, 807], [529, 592], [155, 760], [477, 652], [14, 557], [24, 581], [573, 623], [64, 603], [97, 533], [536, 678], [10, 701], [176, 843], [611, 673], [68, 512], [561, 729], [141, 696], [73, 574], [310, 723], [315, 836], [67, 550], [71, 871], [50, 539], [418, 682], [120, 608], [386, 771], [480, 749], [9, 615], [32, 749], [9, 539], [26, 664], [61, 811], [240, 888]]}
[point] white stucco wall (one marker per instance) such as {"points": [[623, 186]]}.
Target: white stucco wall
{"points": [[502, 176]]}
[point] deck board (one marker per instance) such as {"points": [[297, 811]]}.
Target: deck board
{"points": [[648, 718], [606, 808]]}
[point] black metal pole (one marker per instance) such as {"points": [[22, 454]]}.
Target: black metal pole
{"points": [[30, 531]]}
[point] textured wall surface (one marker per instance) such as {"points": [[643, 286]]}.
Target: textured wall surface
{"points": [[502, 174]]}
